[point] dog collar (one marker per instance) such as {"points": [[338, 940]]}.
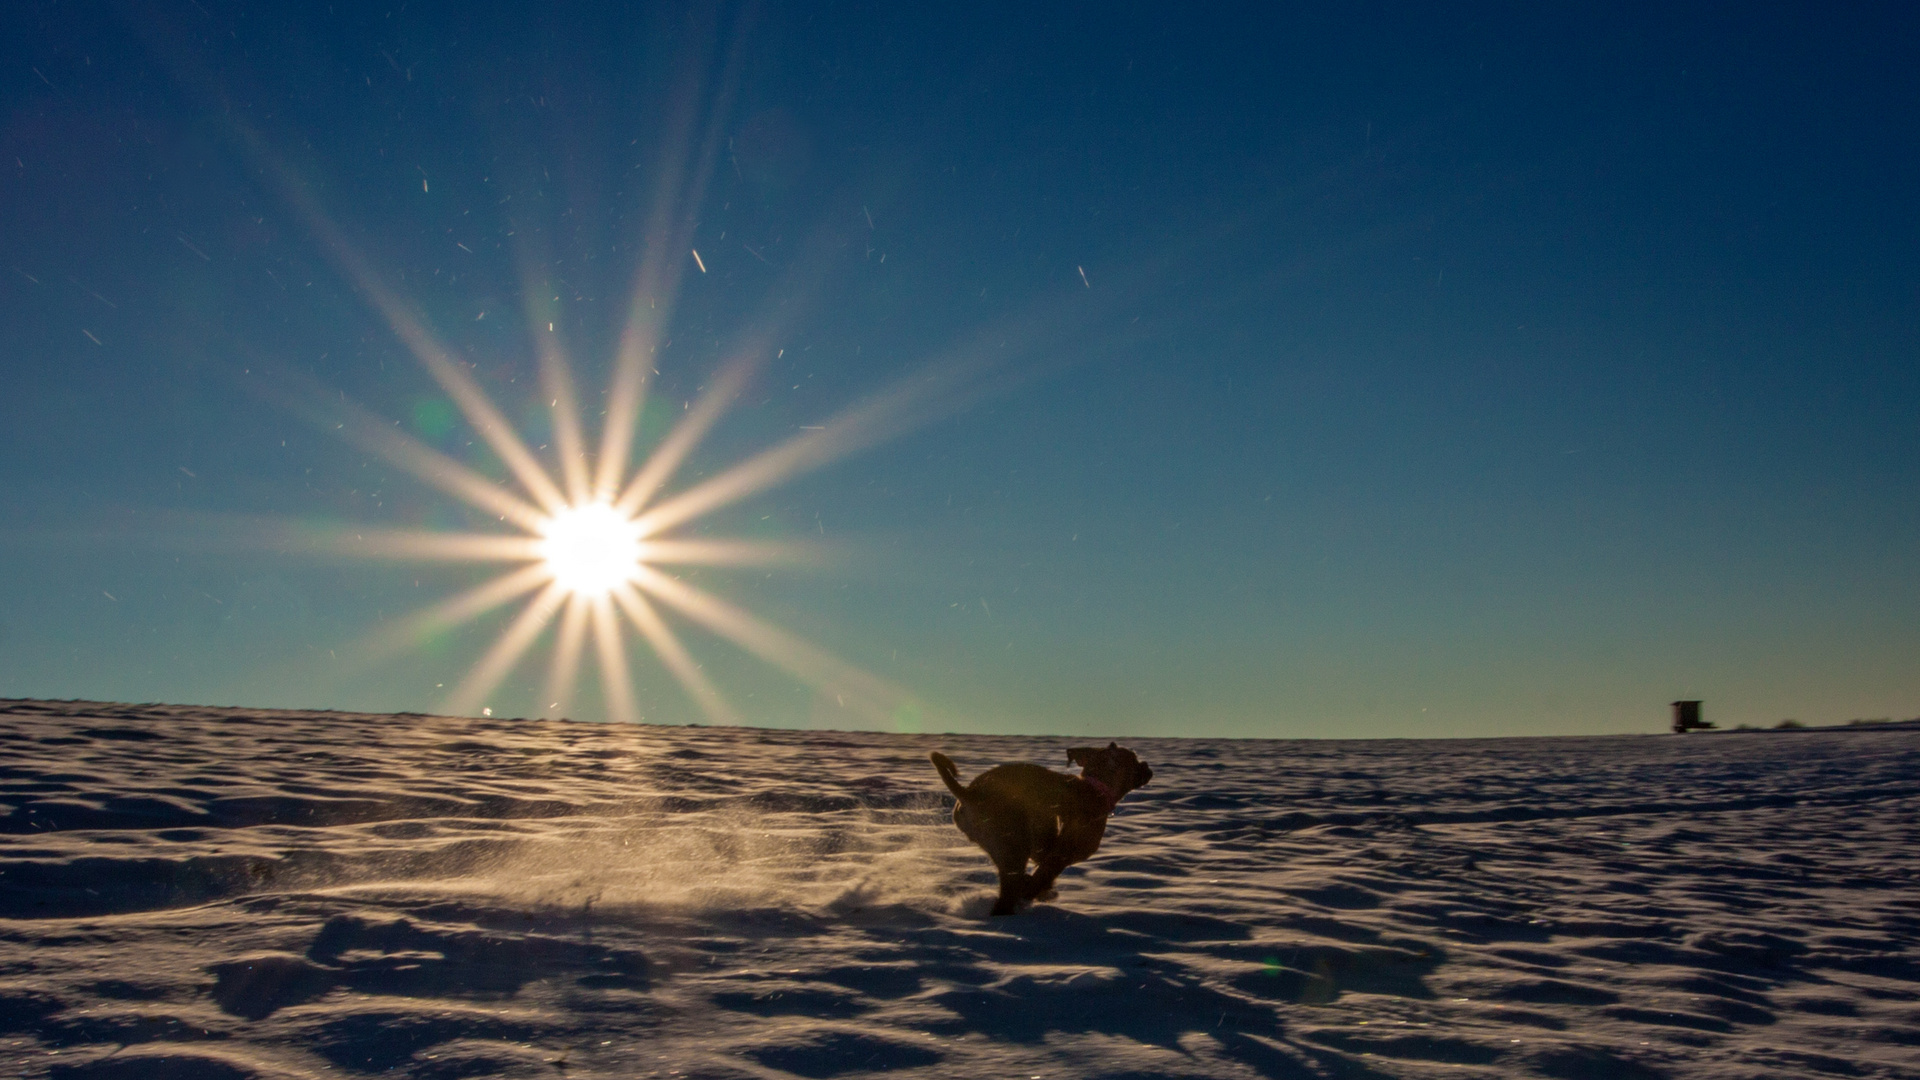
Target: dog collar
{"points": [[1104, 791]]}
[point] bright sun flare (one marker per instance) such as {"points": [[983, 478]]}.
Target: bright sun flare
{"points": [[590, 536], [591, 550]]}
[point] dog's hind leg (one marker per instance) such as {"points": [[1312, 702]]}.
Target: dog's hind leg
{"points": [[1009, 849]]}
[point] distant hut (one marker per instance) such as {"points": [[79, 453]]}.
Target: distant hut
{"points": [[1686, 717]]}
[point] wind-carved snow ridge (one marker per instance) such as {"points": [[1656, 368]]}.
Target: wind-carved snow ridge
{"points": [[231, 893]]}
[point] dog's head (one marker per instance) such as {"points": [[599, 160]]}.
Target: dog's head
{"points": [[1115, 766]]}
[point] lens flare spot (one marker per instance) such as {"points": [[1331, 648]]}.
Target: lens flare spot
{"points": [[591, 549]]}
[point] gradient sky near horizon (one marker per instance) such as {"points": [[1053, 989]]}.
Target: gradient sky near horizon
{"points": [[1376, 370]]}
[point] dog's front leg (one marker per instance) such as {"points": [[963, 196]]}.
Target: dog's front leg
{"points": [[1015, 889], [1040, 882]]}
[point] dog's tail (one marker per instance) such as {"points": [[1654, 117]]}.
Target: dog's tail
{"points": [[948, 773]]}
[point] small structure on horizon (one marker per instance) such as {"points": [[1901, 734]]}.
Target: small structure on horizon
{"points": [[1686, 717]]}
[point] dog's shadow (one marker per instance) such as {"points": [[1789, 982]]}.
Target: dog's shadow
{"points": [[1074, 974]]}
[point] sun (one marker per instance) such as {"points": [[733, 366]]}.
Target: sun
{"points": [[593, 538], [591, 546], [591, 549], [597, 540]]}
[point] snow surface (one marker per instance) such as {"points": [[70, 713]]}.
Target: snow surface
{"points": [[221, 893]]}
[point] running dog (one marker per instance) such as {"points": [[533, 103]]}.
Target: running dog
{"points": [[1019, 813]]}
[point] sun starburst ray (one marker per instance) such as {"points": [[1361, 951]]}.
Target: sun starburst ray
{"points": [[655, 289], [874, 420], [615, 682], [813, 666], [556, 382], [424, 545], [692, 428], [803, 275], [513, 643], [420, 341], [334, 412], [667, 236], [480, 411], [626, 391], [565, 669], [411, 629], [728, 552], [680, 663]]}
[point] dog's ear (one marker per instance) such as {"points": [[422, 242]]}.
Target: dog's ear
{"points": [[1113, 746]]}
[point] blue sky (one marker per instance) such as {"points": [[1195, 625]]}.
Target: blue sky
{"points": [[1433, 373]]}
